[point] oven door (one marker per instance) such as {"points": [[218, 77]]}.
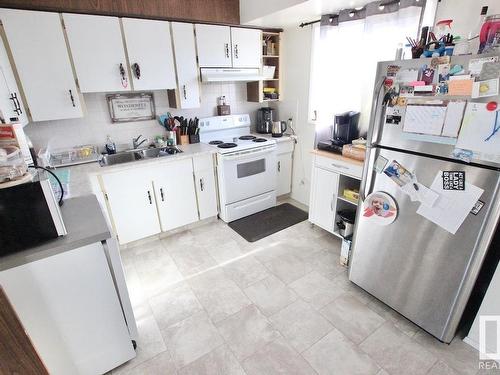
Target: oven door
{"points": [[248, 173]]}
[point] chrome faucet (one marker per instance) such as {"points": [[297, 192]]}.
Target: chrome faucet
{"points": [[136, 143]]}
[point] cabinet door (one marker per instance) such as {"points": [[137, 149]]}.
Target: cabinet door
{"points": [[323, 198], [284, 168], [149, 48], [11, 103], [175, 194], [206, 192], [247, 47], [185, 62], [131, 201], [97, 48], [214, 46], [41, 58]]}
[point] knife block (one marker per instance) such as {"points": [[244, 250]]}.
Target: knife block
{"points": [[184, 139], [194, 138]]}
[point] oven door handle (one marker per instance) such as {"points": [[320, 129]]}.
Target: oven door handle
{"points": [[248, 153]]}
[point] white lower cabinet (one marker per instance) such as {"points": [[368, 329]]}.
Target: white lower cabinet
{"points": [[206, 190], [284, 170], [131, 200], [324, 187], [145, 200], [175, 194]]}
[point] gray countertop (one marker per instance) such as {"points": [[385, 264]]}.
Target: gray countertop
{"points": [[85, 224]]}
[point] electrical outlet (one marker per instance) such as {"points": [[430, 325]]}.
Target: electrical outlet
{"points": [[302, 181]]}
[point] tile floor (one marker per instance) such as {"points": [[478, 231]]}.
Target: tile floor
{"points": [[208, 302]]}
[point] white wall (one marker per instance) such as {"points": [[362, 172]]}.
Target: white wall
{"points": [[489, 306], [464, 13], [253, 9], [93, 128], [296, 54]]}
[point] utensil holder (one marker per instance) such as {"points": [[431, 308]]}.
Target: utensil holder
{"points": [[171, 138], [184, 140], [194, 138]]}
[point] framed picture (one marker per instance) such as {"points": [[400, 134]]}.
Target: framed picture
{"points": [[131, 107]]}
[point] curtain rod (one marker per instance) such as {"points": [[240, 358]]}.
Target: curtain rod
{"points": [[309, 23]]}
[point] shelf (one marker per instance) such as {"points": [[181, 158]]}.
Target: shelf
{"points": [[355, 203], [271, 33], [270, 56], [270, 100]]}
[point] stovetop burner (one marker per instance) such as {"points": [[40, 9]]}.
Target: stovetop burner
{"points": [[215, 142], [259, 140], [227, 145], [247, 137]]}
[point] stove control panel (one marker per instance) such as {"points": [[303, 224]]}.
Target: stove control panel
{"points": [[224, 122]]}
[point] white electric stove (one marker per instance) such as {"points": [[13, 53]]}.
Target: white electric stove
{"points": [[246, 166]]}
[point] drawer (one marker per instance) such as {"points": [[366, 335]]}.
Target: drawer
{"points": [[339, 166], [203, 162], [284, 147]]}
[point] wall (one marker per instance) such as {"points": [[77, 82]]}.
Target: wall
{"points": [[93, 128], [464, 13], [296, 55], [220, 11], [250, 10]]}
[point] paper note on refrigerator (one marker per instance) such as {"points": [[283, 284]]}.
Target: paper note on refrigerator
{"points": [[453, 119], [424, 118], [480, 132], [452, 206]]}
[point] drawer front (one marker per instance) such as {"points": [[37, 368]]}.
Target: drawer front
{"points": [[284, 147], [203, 162], [339, 166]]}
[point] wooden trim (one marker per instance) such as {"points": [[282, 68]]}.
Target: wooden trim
{"points": [[17, 353]]}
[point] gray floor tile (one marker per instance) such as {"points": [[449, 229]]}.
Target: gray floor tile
{"points": [[270, 295], [301, 325], [288, 267], [218, 294], [458, 355], [316, 289], [192, 260], [226, 251], [175, 304], [397, 319], [351, 317], [247, 331], [397, 353], [335, 354], [191, 339], [161, 364], [219, 361], [326, 262], [277, 358], [441, 368], [246, 271]]}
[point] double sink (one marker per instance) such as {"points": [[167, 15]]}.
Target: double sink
{"points": [[138, 154]]}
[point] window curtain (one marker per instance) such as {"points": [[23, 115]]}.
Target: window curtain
{"points": [[346, 50]]}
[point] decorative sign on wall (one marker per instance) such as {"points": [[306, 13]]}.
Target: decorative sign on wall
{"points": [[131, 107]]}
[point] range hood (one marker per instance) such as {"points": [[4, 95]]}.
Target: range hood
{"points": [[230, 74]]}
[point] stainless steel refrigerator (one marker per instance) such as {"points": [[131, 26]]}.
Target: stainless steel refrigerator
{"points": [[413, 265]]}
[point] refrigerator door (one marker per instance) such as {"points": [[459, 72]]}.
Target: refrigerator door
{"points": [[392, 135], [413, 265]]}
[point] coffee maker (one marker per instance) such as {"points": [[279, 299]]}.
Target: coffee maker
{"points": [[343, 132], [265, 120]]}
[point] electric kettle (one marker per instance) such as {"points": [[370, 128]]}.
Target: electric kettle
{"points": [[279, 127]]}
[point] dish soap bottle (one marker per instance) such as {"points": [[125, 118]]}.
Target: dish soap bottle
{"points": [[110, 146]]}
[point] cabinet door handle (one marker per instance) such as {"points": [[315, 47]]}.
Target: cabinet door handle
{"points": [[339, 166], [236, 51], [162, 196], [315, 117], [279, 166], [137, 70], [226, 49], [123, 76], [202, 185], [331, 205], [15, 101], [149, 197], [72, 98], [184, 91]]}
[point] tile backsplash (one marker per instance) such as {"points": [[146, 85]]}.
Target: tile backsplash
{"points": [[96, 124]]}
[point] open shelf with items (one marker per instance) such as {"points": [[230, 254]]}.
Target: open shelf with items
{"points": [[268, 89]]}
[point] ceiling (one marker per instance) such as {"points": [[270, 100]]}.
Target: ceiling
{"points": [[305, 11]]}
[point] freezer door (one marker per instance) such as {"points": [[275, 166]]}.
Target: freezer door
{"points": [[392, 135], [413, 265]]}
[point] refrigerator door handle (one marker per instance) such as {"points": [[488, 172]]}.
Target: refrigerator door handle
{"points": [[374, 129], [367, 177]]}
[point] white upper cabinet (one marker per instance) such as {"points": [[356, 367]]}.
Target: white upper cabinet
{"points": [[11, 104], [185, 62], [96, 45], [247, 47], [149, 49], [36, 40], [214, 46]]}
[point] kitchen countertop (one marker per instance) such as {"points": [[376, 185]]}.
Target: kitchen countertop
{"points": [[85, 224], [334, 156]]}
